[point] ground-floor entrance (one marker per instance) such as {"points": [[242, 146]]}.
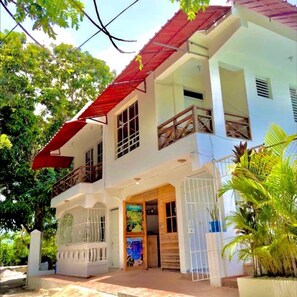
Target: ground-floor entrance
{"points": [[150, 230]]}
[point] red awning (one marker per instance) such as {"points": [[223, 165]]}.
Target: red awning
{"points": [[172, 35], [277, 10], [46, 158]]}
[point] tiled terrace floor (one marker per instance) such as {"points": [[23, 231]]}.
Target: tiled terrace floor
{"points": [[152, 282]]}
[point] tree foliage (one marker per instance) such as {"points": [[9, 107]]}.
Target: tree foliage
{"points": [[266, 219], [47, 14], [191, 7], [55, 82]]}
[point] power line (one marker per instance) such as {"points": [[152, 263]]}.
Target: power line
{"points": [[102, 29], [8, 11]]}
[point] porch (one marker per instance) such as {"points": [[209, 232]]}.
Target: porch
{"points": [[151, 282]]}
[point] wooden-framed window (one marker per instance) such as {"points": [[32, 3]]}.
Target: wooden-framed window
{"points": [[263, 87], [171, 221], [127, 130], [293, 96]]}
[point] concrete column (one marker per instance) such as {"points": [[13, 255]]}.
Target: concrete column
{"points": [[215, 262], [34, 253]]}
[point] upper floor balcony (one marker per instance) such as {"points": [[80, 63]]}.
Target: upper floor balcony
{"points": [[82, 174], [192, 119], [198, 119]]}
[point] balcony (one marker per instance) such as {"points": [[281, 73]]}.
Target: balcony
{"points": [[237, 126], [82, 174], [192, 119]]}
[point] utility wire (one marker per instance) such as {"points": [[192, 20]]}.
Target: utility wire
{"points": [[8, 11], [111, 37], [108, 23]]}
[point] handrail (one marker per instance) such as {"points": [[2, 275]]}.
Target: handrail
{"points": [[237, 126], [87, 174], [192, 119]]}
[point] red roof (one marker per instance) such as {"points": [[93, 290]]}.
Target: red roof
{"points": [[44, 157], [276, 10]]}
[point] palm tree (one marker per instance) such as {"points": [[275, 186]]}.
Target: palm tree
{"points": [[266, 219]]}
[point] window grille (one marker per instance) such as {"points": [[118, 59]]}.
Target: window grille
{"points": [[263, 88], [87, 227], [127, 130], [293, 95]]}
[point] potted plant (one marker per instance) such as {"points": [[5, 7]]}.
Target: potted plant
{"points": [[266, 219], [214, 224]]}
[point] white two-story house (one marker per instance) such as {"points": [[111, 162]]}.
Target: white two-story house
{"points": [[150, 152]]}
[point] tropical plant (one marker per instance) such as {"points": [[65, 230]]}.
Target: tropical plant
{"points": [[266, 219]]}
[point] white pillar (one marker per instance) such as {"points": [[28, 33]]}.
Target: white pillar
{"points": [[34, 253], [215, 263]]}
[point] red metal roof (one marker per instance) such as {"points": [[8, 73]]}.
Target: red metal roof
{"points": [[278, 10], [44, 157]]}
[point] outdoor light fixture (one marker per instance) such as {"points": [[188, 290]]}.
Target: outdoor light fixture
{"points": [[137, 179], [181, 161]]}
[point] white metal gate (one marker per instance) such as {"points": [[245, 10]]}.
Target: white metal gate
{"points": [[200, 200]]}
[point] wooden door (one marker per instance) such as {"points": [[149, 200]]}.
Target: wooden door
{"points": [[135, 239]]}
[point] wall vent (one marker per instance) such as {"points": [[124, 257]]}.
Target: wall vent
{"points": [[263, 88], [293, 95]]}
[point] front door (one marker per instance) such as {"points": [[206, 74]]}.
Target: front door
{"points": [[135, 238]]}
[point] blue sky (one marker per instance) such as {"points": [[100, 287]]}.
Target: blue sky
{"points": [[140, 22]]}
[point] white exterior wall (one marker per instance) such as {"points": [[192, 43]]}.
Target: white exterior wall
{"points": [[164, 98]]}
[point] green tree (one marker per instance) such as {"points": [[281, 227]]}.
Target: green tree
{"points": [[266, 220], [57, 82], [46, 14]]}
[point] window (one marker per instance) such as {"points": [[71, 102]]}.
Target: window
{"points": [[100, 152], [192, 94], [89, 158], [293, 95], [99, 160], [263, 87], [89, 162], [127, 130], [171, 217]]}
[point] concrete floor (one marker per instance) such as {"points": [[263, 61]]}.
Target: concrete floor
{"points": [[152, 282]]}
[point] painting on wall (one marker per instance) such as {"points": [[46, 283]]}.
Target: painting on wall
{"points": [[134, 252], [134, 218]]}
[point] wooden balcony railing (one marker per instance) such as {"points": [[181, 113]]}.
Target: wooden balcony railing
{"points": [[82, 174], [237, 126], [192, 119]]}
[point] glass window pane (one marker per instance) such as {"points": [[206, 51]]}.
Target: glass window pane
{"points": [[169, 225], [174, 224], [168, 210]]}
